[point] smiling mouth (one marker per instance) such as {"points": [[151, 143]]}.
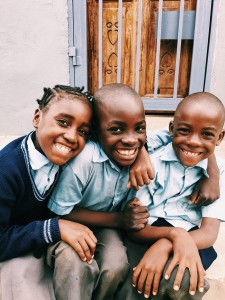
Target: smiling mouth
{"points": [[126, 152], [62, 149], [191, 154]]}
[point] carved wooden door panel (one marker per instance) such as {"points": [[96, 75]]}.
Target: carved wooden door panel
{"points": [[165, 73], [110, 42], [168, 50], [129, 43]]}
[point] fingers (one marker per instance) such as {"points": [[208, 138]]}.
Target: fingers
{"points": [[197, 276], [85, 254], [148, 285], [138, 279], [193, 279], [85, 246], [201, 278], [138, 178], [151, 173], [79, 237], [135, 276], [194, 197], [135, 202], [80, 250], [146, 281], [201, 201], [132, 184], [179, 274]]}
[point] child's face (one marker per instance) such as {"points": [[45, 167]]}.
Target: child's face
{"points": [[122, 130], [196, 131], [62, 130]]}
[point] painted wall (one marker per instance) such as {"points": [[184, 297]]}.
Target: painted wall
{"points": [[33, 54], [217, 48]]}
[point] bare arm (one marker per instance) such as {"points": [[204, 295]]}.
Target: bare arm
{"points": [[132, 218], [208, 189], [206, 235], [152, 233], [141, 172]]}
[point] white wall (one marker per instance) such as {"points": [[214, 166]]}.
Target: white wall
{"points": [[217, 49], [33, 54]]}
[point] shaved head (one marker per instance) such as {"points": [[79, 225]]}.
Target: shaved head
{"points": [[115, 95], [205, 101]]}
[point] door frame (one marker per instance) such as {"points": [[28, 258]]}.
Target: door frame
{"points": [[202, 59]]}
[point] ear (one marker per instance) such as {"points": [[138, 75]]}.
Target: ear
{"points": [[36, 118], [171, 128], [220, 138]]}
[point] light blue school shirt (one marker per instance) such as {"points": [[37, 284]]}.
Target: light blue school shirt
{"points": [[92, 181], [168, 194], [42, 170]]}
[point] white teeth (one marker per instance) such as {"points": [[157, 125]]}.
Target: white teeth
{"points": [[126, 152], [62, 149], [191, 153]]}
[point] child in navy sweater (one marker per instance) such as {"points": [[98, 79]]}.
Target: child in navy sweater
{"points": [[29, 169]]}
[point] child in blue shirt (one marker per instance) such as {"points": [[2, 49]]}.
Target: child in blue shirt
{"points": [[178, 168], [92, 189]]}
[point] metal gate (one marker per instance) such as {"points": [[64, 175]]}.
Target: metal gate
{"points": [[167, 51]]}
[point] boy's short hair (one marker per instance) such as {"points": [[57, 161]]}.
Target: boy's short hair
{"points": [[206, 99], [113, 91]]}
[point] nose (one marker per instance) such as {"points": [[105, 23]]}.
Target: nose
{"points": [[71, 135], [130, 139], [194, 140]]}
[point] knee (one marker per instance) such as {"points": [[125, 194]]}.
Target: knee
{"points": [[67, 260], [65, 254], [116, 268], [166, 288]]}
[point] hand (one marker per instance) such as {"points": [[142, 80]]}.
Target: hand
{"points": [[206, 191], [80, 237], [135, 216], [186, 256], [141, 172], [148, 272]]}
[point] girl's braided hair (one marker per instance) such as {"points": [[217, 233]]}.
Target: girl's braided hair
{"points": [[60, 90]]}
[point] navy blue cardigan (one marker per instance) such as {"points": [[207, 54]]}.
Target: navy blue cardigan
{"points": [[24, 223]]}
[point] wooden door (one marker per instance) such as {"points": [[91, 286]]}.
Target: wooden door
{"points": [[129, 44]]}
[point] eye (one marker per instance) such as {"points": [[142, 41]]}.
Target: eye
{"points": [[83, 132], [183, 130], [63, 122], [141, 129], [115, 130], [208, 134]]}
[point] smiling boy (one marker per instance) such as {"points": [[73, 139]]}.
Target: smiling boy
{"points": [[91, 190], [196, 129]]}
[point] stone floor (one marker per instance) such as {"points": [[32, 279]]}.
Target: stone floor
{"points": [[216, 273]]}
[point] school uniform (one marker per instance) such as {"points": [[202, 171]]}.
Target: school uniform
{"points": [[90, 181], [25, 230], [93, 182], [167, 199]]}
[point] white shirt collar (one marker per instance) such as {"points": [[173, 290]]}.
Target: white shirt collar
{"points": [[37, 159]]}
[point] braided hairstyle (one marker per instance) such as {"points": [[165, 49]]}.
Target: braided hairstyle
{"points": [[59, 92]]}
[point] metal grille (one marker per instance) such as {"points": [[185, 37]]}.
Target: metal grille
{"points": [[170, 25]]}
